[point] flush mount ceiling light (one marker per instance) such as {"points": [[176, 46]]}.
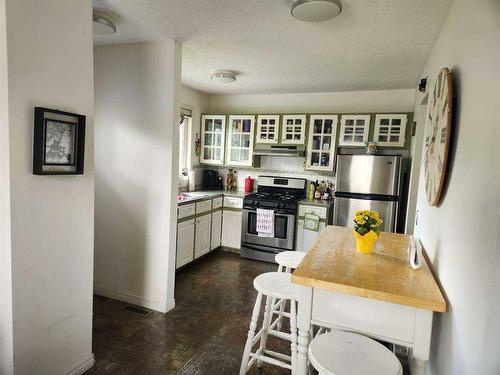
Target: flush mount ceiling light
{"points": [[103, 24], [223, 76], [316, 10]]}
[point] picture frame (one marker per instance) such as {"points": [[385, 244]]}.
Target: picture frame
{"points": [[58, 142]]}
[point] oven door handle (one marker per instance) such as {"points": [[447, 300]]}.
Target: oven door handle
{"points": [[276, 212]]}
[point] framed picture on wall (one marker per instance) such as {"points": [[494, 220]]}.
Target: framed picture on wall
{"points": [[58, 142]]}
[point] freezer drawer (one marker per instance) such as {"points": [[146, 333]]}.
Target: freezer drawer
{"points": [[368, 174], [344, 209]]}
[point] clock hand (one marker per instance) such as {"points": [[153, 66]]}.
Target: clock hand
{"points": [[431, 143]]}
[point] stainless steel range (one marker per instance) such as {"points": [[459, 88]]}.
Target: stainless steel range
{"points": [[281, 195]]}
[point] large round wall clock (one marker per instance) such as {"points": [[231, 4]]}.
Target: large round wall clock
{"points": [[437, 136]]}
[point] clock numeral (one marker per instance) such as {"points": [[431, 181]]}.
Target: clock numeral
{"points": [[443, 135]]}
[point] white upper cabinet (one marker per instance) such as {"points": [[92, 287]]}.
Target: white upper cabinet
{"points": [[213, 128], [354, 130], [322, 142], [293, 129], [390, 130], [268, 128], [240, 140]]}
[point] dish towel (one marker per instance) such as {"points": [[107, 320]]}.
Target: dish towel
{"points": [[311, 222], [265, 222]]}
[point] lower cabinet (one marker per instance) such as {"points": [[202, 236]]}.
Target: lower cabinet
{"points": [[185, 242], [202, 235], [305, 237], [231, 229], [216, 229], [206, 227]]}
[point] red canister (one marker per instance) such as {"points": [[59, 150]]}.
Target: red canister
{"points": [[248, 184]]}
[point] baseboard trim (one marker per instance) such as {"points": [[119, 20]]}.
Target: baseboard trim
{"points": [[82, 367], [229, 249], [170, 305], [135, 300]]}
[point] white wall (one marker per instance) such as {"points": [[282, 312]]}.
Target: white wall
{"points": [[137, 116], [6, 335], [461, 236], [49, 48], [328, 102]]}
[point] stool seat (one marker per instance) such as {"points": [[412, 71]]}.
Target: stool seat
{"points": [[276, 284], [289, 259], [345, 353]]}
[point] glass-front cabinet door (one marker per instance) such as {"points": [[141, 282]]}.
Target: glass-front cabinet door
{"points": [[322, 142], [213, 128], [267, 128], [354, 130], [293, 130], [390, 130], [240, 140]]}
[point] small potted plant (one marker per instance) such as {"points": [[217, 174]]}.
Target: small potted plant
{"points": [[366, 230]]}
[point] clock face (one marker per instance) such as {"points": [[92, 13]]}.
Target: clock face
{"points": [[437, 136]]}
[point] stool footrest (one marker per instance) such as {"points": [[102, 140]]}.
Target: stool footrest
{"points": [[279, 355], [281, 335], [267, 359], [285, 314], [257, 336]]}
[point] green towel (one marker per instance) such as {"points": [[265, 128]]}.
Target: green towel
{"points": [[311, 222]]}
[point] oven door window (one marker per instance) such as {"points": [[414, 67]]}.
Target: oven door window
{"points": [[280, 225]]}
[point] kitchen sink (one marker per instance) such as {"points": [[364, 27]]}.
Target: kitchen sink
{"points": [[188, 196]]}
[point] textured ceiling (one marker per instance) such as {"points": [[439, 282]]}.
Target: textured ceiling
{"points": [[372, 44]]}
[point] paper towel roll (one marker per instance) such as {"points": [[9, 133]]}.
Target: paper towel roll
{"points": [[192, 182]]}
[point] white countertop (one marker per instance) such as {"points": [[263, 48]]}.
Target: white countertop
{"points": [[208, 194]]}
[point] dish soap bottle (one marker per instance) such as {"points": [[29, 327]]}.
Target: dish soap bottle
{"points": [[312, 190], [317, 194]]}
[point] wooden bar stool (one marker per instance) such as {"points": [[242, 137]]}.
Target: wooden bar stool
{"points": [[273, 285], [346, 353], [287, 261]]}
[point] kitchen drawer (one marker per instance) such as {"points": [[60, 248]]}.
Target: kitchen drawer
{"points": [[203, 206], [320, 211], [186, 210], [216, 203], [233, 202]]}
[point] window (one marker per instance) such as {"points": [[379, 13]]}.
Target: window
{"points": [[184, 143]]}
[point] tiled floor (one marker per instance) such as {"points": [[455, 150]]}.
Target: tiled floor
{"points": [[203, 335]]}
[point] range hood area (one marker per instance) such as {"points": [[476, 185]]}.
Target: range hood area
{"points": [[279, 150]]}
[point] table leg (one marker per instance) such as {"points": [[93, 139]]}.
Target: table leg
{"points": [[422, 342], [304, 325], [418, 367]]}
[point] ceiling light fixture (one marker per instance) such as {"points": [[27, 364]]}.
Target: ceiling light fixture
{"points": [[103, 24], [223, 76], [316, 10]]}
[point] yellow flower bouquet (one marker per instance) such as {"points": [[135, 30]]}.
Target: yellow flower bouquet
{"points": [[366, 229]]}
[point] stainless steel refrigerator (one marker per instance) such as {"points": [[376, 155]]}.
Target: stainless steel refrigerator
{"points": [[367, 182]]}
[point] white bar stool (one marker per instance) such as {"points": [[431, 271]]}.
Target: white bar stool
{"points": [[346, 353], [272, 285], [287, 261]]}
